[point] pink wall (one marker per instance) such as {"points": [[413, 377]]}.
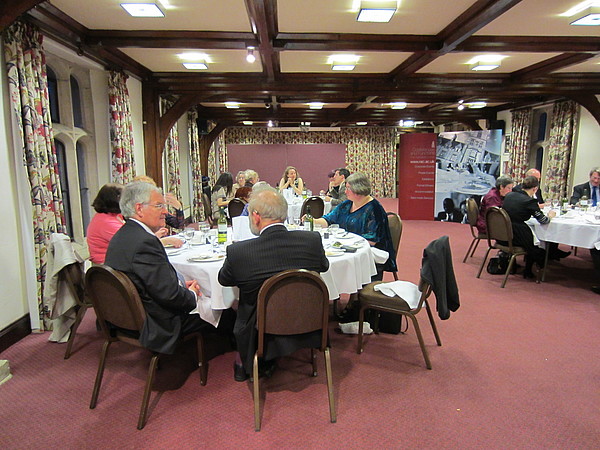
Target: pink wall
{"points": [[313, 161]]}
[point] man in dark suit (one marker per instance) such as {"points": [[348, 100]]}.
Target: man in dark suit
{"points": [[249, 263], [590, 189], [137, 252]]}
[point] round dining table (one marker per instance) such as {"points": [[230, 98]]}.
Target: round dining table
{"points": [[348, 271]]}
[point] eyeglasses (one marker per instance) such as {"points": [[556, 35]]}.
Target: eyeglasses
{"points": [[157, 205]]}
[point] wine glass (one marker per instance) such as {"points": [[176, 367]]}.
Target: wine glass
{"points": [[188, 234]]}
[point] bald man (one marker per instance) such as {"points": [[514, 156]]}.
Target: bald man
{"points": [[538, 195]]}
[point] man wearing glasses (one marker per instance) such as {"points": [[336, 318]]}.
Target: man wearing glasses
{"points": [[137, 252]]}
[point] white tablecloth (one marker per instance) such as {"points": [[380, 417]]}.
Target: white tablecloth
{"points": [[578, 230], [347, 274]]}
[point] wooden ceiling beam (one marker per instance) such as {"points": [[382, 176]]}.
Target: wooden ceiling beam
{"points": [[549, 65], [263, 19], [170, 39], [481, 13], [10, 10], [532, 44]]}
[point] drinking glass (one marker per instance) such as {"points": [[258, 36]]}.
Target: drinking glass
{"points": [[188, 233], [334, 228]]}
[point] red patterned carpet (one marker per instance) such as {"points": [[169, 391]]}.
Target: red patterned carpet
{"points": [[518, 368]]}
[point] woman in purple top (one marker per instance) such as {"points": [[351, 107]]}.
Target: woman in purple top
{"points": [[494, 197]]}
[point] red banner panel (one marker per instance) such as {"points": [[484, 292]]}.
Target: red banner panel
{"points": [[416, 176]]}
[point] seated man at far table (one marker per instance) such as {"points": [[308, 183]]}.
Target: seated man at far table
{"points": [[249, 263], [137, 252]]}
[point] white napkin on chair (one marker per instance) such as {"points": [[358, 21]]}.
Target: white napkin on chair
{"points": [[409, 292], [380, 256]]}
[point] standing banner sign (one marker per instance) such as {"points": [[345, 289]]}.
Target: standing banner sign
{"points": [[416, 176]]}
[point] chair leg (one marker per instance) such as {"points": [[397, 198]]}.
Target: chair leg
{"points": [[475, 248], [99, 374], [78, 318], [313, 360], [332, 413], [508, 269], [469, 250], [361, 319], [202, 363], [483, 262], [433, 325], [420, 338], [255, 383], [147, 392]]}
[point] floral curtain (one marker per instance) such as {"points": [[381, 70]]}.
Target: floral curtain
{"points": [[121, 128], [520, 141], [564, 117], [194, 145], [27, 81], [171, 155], [371, 150]]}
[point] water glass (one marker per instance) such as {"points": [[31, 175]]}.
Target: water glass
{"points": [[333, 228], [188, 233]]}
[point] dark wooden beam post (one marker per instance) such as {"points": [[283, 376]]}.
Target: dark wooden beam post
{"points": [[205, 143], [10, 10], [153, 146], [589, 102]]}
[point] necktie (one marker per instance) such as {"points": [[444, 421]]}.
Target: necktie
{"points": [[594, 195]]}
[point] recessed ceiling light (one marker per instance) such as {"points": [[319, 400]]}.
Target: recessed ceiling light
{"points": [[485, 62], [376, 10], [398, 105], [305, 124], [343, 62], [316, 105], [143, 9], [195, 66], [270, 124], [580, 7], [590, 16], [460, 107], [409, 123], [361, 123], [232, 105], [247, 122]]}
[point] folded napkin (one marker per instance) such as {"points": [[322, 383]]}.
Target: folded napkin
{"points": [[380, 256], [352, 328], [409, 292]]}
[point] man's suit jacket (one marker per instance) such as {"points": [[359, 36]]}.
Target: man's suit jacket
{"points": [[578, 192], [538, 194], [141, 256], [249, 263]]}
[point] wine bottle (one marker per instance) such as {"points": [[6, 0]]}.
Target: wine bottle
{"points": [[309, 221], [222, 227]]}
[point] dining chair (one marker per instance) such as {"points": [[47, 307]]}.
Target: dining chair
{"points": [[121, 316], [208, 210], [73, 277], [472, 214], [369, 298], [317, 207], [499, 229], [293, 302], [395, 225], [235, 207]]}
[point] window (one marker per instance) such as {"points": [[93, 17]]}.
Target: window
{"points": [[53, 95], [84, 192], [61, 159], [76, 102]]}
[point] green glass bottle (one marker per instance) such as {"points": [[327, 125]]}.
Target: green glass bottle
{"points": [[222, 227], [309, 221]]}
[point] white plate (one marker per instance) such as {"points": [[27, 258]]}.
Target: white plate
{"points": [[206, 258], [333, 253], [343, 236], [173, 251]]}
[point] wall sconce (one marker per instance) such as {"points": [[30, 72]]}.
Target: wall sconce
{"points": [[250, 56]]}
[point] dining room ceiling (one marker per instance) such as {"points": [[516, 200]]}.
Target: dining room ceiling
{"points": [[421, 57]]}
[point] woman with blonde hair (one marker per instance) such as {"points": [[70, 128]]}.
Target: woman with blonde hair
{"points": [[291, 180]]}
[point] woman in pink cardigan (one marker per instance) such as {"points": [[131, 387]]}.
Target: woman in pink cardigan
{"points": [[106, 221]]}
